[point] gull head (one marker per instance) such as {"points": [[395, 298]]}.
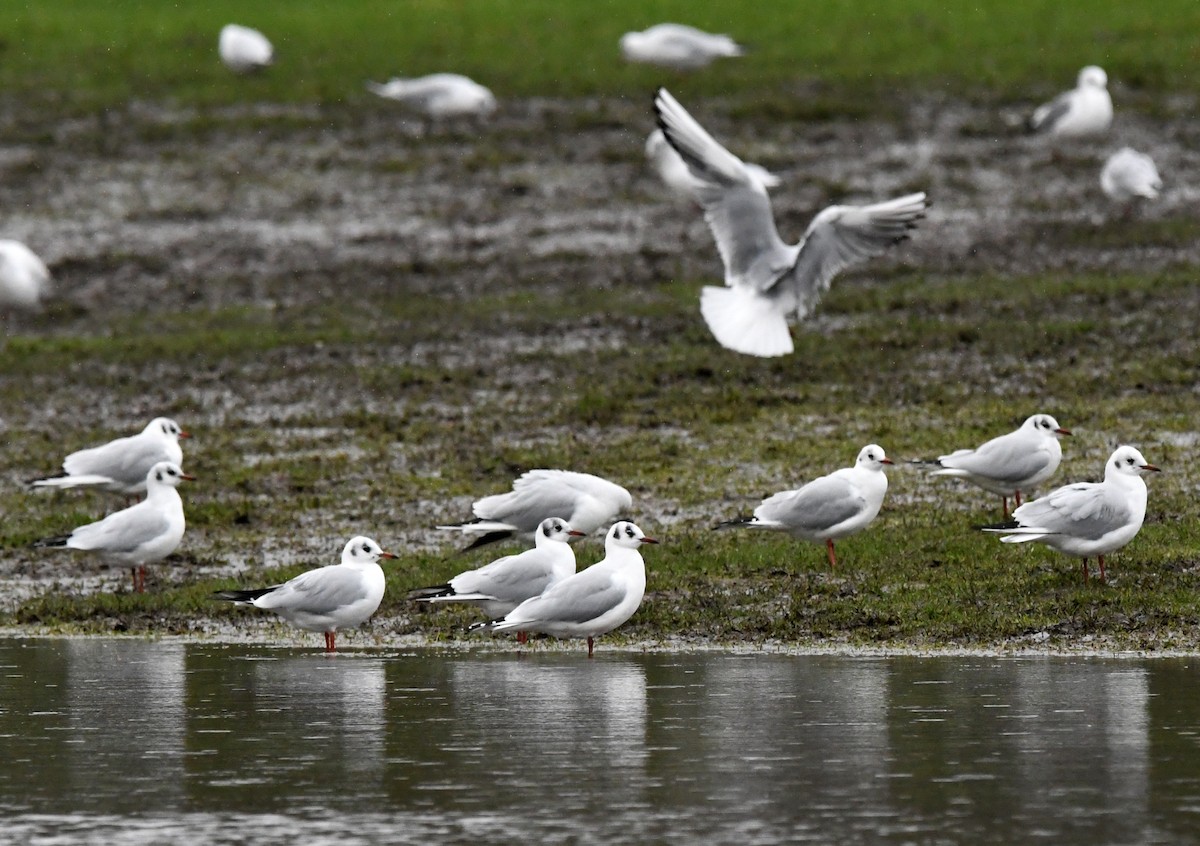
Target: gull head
{"points": [[1044, 424], [167, 473], [556, 529], [626, 535], [167, 428], [1127, 461], [872, 457], [1093, 77], [363, 550]]}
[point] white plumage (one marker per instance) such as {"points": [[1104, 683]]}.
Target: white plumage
{"points": [[767, 279], [1128, 174], [243, 49], [24, 278], [1086, 109], [677, 46], [674, 173], [438, 95], [121, 466]]}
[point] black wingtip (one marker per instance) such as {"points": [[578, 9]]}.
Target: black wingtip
{"points": [[56, 542], [1002, 526], [733, 524], [484, 540], [427, 593], [241, 595]]}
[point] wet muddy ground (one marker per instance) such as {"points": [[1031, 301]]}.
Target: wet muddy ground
{"points": [[161, 215]]}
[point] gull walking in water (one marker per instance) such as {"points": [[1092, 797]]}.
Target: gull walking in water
{"points": [[828, 508], [1009, 464], [139, 535], [1129, 174], [24, 278], [120, 466], [438, 95], [766, 279], [339, 596], [244, 50], [1087, 519], [674, 173], [1086, 109], [585, 501], [502, 585], [589, 603], [677, 46]]}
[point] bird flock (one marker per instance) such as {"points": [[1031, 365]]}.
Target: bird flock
{"points": [[767, 283]]}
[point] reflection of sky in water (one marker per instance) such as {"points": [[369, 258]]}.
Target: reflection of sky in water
{"points": [[132, 741]]}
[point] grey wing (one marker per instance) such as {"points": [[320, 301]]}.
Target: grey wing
{"points": [[736, 205], [1049, 114], [318, 591], [126, 460], [529, 504], [578, 599], [842, 235], [1081, 511], [512, 578], [817, 506], [123, 531], [1003, 459]]}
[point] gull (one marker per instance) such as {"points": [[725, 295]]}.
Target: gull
{"points": [[244, 50], [502, 585], [1011, 463], [677, 46], [439, 95], [671, 168], [1084, 110], [120, 466], [828, 508], [1128, 174], [339, 596], [1090, 518], [585, 501], [140, 534], [591, 602], [24, 278], [767, 279]]}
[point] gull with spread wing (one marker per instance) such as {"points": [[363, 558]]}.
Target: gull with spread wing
{"points": [[766, 279]]}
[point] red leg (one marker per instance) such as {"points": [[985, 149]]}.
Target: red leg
{"points": [[522, 637], [591, 645], [1103, 577], [1017, 498], [832, 557], [1004, 506], [331, 641], [1085, 571]]}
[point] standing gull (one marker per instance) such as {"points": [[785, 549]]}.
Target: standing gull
{"points": [[592, 602], [1086, 109], [1128, 174], [765, 278], [1090, 518], [677, 46], [339, 596], [139, 535], [120, 466], [24, 278], [502, 585], [828, 508], [585, 501], [1012, 463], [244, 50]]}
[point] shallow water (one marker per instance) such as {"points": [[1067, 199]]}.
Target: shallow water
{"points": [[126, 741]]}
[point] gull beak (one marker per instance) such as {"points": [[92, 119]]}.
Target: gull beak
{"points": [[386, 555], [184, 434], [886, 461], [1151, 467], [1061, 431], [575, 533], [187, 476], [649, 540]]}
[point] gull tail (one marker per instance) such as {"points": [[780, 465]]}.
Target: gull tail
{"points": [[428, 594], [63, 481], [738, 523], [1014, 532], [56, 542], [745, 322], [487, 531], [242, 595], [483, 627]]}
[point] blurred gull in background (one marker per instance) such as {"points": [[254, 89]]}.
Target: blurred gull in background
{"points": [[677, 46], [244, 50]]}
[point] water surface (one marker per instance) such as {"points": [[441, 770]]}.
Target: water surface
{"points": [[127, 741]]}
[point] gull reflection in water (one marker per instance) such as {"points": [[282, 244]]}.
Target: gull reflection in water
{"points": [[127, 707]]}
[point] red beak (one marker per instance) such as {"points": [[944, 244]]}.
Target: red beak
{"points": [[386, 555], [1061, 431], [886, 461], [1151, 467], [649, 540], [576, 534], [187, 476], [183, 434]]}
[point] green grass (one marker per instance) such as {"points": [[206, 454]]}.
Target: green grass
{"points": [[68, 55]]}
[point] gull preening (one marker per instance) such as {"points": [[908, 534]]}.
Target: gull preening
{"points": [[139, 535], [585, 501], [677, 46], [24, 278], [438, 95], [1086, 109], [120, 466], [1128, 174], [1009, 464], [767, 279], [1087, 519], [828, 508], [505, 583], [589, 603], [339, 596], [244, 50], [675, 174]]}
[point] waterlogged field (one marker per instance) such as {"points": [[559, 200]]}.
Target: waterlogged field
{"points": [[368, 323]]}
